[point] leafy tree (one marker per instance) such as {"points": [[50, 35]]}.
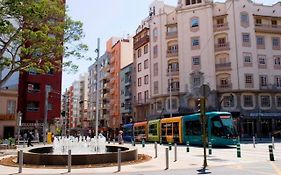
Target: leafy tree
{"points": [[36, 34]]}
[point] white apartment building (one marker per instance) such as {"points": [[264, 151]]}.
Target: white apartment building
{"points": [[234, 47]]}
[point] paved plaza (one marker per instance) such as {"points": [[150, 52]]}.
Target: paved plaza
{"points": [[254, 161]]}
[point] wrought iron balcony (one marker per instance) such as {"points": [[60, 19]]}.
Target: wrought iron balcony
{"points": [[171, 35], [223, 66], [222, 47], [268, 28], [221, 27], [142, 41], [172, 53], [224, 87]]}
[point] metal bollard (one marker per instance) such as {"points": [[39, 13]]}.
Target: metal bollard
{"points": [[143, 143], [273, 142], [187, 146], [155, 147], [271, 156], [210, 148], [238, 150], [176, 156], [254, 141], [69, 161], [23, 142], [170, 146], [167, 158], [160, 141], [133, 143], [20, 154], [113, 141], [119, 159]]}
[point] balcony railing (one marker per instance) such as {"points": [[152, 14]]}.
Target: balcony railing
{"points": [[170, 35], [224, 87], [272, 87], [173, 89], [142, 41], [268, 28], [222, 47], [223, 66], [142, 101], [221, 27], [174, 71], [172, 53]]}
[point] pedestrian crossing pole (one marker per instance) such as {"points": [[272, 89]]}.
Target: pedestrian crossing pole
{"points": [[238, 150], [210, 148], [187, 146], [271, 156]]}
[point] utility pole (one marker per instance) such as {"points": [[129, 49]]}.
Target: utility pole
{"points": [[204, 91], [97, 90], [46, 114], [170, 89]]}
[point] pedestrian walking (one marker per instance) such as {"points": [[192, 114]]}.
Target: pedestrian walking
{"points": [[29, 138]]}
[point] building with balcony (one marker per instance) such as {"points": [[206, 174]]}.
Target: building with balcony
{"points": [[234, 47], [126, 94]]}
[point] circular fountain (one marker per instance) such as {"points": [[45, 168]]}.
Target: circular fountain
{"points": [[84, 151]]}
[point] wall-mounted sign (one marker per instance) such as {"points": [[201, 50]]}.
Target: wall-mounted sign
{"points": [[7, 117]]}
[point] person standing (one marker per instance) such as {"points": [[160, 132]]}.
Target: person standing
{"points": [[29, 138]]}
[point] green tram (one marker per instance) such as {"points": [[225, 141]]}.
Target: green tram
{"points": [[219, 126]]}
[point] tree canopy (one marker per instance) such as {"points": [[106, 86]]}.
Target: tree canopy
{"points": [[35, 34]]}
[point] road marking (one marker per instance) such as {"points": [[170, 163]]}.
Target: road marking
{"points": [[276, 169]]}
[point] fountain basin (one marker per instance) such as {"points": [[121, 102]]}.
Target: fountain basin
{"points": [[43, 156]]}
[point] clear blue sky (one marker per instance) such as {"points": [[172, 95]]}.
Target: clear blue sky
{"points": [[106, 18]]}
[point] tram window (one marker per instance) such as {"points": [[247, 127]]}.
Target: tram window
{"points": [[176, 129], [217, 128], [163, 129], [193, 128], [153, 129], [169, 128], [139, 130]]}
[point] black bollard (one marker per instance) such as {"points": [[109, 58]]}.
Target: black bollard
{"points": [[271, 156]]}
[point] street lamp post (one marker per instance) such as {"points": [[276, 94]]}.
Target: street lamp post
{"points": [[19, 119], [47, 90]]}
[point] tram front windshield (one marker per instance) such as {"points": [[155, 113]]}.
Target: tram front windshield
{"points": [[223, 126]]}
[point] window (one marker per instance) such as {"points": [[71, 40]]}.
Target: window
{"points": [[260, 42], [155, 34], [247, 57], [139, 97], [274, 23], [32, 106], [248, 101], [265, 101], [153, 129], [187, 2], [155, 51], [278, 101], [246, 37], [244, 19], [146, 64], [155, 69], [146, 79], [139, 81], [11, 106], [248, 79], [276, 43], [258, 21], [263, 80], [146, 97], [174, 103], [193, 128], [33, 87], [220, 21], [159, 105], [196, 81], [196, 61], [262, 59], [194, 22], [139, 52], [139, 67], [277, 60], [193, 1], [195, 42], [145, 49], [155, 84], [278, 81]]}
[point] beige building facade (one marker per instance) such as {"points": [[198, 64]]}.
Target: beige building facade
{"points": [[234, 47], [8, 111]]}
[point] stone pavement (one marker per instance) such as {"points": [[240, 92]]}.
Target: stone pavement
{"points": [[254, 161]]}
